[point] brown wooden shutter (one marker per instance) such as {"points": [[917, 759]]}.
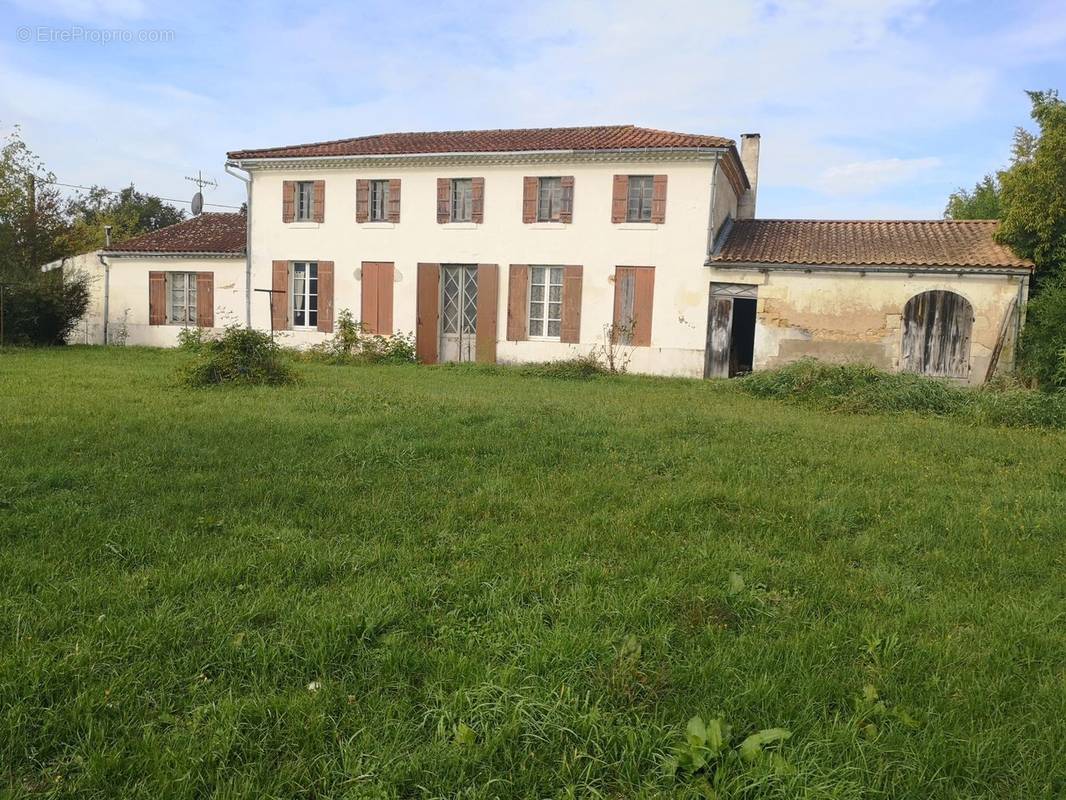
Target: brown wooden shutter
{"points": [[205, 299], [368, 304], [279, 297], [320, 201], [566, 214], [643, 283], [157, 298], [529, 199], [642, 307], [658, 199], [488, 302], [288, 201], [362, 200], [394, 200], [378, 278], [570, 327], [518, 303], [444, 200], [325, 296], [428, 312], [477, 211], [619, 198]]}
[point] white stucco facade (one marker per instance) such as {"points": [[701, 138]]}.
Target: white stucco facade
{"points": [[676, 248], [127, 286]]}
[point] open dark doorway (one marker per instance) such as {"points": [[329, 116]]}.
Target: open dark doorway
{"points": [[742, 344], [731, 321]]}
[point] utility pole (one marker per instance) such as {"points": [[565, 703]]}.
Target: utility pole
{"points": [[31, 191]]}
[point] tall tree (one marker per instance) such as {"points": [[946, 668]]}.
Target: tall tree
{"points": [[982, 202], [32, 214], [128, 212], [1033, 189]]}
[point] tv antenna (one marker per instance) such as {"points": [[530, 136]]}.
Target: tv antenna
{"points": [[198, 198]]}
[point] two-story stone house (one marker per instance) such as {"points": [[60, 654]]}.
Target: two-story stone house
{"points": [[531, 245]]}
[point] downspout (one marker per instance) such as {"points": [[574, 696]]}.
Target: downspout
{"points": [[230, 165], [710, 215], [1023, 302]]}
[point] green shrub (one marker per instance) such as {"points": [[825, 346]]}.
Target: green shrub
{"points": [[43, 309], [579, 368], [1042, 352], [352, 345], [193, 340], [863, 389], [238, 356]]}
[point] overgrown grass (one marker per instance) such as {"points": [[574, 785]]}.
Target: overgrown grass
{"points": [[856, 388], [425, 582]]}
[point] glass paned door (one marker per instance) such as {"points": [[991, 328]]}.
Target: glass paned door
{"points": [[458, 312]]}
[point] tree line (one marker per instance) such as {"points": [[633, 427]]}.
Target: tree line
{"points": [[1028, 197], [39, 225]]}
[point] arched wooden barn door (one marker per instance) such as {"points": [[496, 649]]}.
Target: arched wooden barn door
{"points": [[936, 334]]}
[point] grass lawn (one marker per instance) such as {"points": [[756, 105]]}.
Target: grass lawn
{"points": [[448, 582]]}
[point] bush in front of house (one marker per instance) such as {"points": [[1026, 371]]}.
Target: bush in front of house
{"points": [[579, 368], [194, 339], [351, 344], [864, 389], [44, 308], [236, 356]]}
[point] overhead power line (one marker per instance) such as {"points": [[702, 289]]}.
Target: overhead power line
{"points": [[112, 191]]}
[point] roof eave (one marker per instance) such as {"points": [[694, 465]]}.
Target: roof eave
{"points": [[171, 254], [982, 269], [237, 159]]}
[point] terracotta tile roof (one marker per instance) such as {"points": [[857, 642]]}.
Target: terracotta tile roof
{"points": [[207, 233], [927, 243], [609, 137]]}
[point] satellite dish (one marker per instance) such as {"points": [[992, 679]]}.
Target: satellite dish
{"points": [[197, 204]]}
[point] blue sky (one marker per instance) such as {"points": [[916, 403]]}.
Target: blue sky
{"points": [[872, 109]]}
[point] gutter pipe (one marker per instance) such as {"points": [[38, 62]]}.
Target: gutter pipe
{"points": [[710, 214], [230, 166]]}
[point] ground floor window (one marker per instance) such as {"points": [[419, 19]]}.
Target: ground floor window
{"points": [[305, 294], [545, 301], [181, 298]]}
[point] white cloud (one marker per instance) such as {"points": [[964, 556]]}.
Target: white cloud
{"points": [[865, 177]]}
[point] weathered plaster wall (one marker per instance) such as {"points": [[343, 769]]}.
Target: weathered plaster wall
{"points": [[853, 317]]}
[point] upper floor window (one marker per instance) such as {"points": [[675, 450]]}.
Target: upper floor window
{"points": [[641, 191], [305, 200], [379, 201], [181, 298], [305, 294], [550, 200], [462, 200]]}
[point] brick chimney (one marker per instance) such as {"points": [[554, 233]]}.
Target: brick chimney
{"points": [[749, 157]]}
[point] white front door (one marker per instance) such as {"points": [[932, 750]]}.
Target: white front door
{"points": [[458, 312]]}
